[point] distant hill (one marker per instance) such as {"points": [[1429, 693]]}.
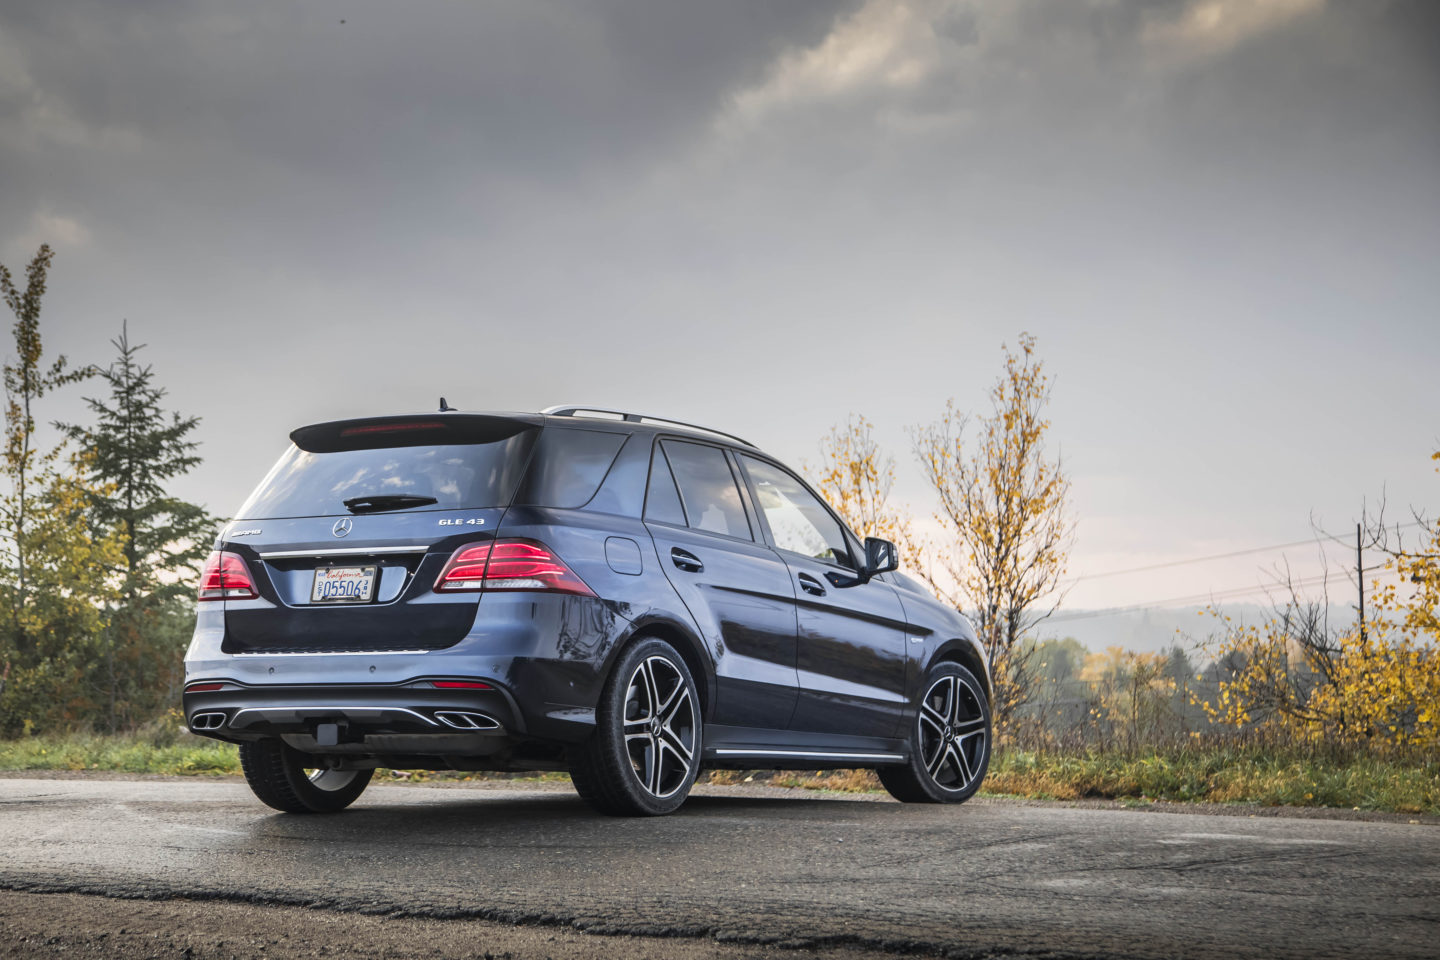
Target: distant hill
{"points": [[1152, 630]]}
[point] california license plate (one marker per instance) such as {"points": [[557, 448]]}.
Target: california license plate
{"points": [[343, 585]]}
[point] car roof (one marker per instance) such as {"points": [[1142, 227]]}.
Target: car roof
{"points": [[653, 424]]}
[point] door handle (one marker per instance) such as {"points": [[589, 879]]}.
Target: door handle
{"points": [[810, 585], [686, 561]]}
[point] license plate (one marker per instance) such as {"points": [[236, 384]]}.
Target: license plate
{"points": [[343, 585]]}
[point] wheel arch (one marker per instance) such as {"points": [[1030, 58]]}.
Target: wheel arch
{"points": [[685, 643], [966, 653]]}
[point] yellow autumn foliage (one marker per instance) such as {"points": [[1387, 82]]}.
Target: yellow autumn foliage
{"points": [[1004, 505], [855, 478], [1377, 685]]}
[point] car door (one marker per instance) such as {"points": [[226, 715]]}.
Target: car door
{"points": [[850, 650], [736, 588]]}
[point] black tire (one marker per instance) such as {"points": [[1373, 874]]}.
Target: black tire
{"points": [[949, 741], [276, 774], [643, 757]]}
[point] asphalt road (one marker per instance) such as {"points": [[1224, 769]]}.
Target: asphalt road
{"points": [[758, 867]]}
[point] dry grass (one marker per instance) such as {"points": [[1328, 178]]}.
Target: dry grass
{"points": [[1225, 775], [152, 751], [1211, 773]]}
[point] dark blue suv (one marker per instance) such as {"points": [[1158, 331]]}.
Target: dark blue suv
{"points": [[625, 597]]}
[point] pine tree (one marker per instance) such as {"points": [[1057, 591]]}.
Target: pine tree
{"points": [[138, 447], [135, 449]]}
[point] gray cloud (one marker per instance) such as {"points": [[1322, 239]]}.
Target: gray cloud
{"points": [[401, 108], [1220, 216]]}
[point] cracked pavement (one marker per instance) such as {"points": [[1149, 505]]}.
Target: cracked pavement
{"points": [[755, 866]]}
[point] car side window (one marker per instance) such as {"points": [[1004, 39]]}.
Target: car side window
{"points": [[662, 503], [798, 521], [568, 466], [708, 489]]}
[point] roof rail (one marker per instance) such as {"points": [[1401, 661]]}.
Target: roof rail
{"points": [[567, 410]]}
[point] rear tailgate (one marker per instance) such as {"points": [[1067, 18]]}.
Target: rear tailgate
{"points": [[333, 577], [400, 555]]}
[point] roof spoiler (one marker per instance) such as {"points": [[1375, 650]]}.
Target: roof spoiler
{"points": [[414, 430]]}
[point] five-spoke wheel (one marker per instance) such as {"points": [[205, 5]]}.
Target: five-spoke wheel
{"points": [[644, 754], [660, 726], [950, 741]]}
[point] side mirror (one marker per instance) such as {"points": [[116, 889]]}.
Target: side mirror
{"points": [[881, 556]]}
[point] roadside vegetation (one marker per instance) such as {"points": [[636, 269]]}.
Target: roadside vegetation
{"points": [[98, 562], [160, 747], [1293, 709], [1264, 776]]}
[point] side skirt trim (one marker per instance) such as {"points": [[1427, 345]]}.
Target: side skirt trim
{"points": [[818, 755]]}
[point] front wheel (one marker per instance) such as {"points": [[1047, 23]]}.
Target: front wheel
{"points": [[645, 752], [949, 741], [288, 780]]}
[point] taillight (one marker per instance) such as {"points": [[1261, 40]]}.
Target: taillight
{"points": [[225, 576], [461, 685], [509, 565], [203, 687]]}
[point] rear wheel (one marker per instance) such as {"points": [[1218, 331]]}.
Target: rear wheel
{"points": [[288, 780], [645, 752], [949, 741]]}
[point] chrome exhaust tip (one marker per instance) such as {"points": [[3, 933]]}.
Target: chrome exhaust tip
{"points": [[207, 721], [464, 720]]}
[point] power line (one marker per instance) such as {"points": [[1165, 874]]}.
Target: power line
{"points": [[1192, 599], [1182, 563], [1317, 540]]}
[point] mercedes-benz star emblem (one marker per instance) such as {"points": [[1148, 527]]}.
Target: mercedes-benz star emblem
{"points": [[342, 526]]}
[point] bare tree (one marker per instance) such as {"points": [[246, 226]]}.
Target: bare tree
{"points": [[1004, 505], [1412, 551]]}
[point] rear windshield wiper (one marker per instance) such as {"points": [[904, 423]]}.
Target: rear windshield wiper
{"points": [[387, 501]]}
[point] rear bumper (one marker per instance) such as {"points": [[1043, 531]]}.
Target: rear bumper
{"points": [[350, 713], [543, 654]]}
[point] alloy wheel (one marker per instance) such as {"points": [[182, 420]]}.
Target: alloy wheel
{"points": [[660, 725], [952, 734]]}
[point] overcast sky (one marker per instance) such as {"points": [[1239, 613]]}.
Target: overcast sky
{"points": [[1221, 219]]}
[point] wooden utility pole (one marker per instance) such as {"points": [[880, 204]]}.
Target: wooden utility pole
{"points": [[1360, 579]]}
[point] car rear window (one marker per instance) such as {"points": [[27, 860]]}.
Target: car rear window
{"points": [[460, 476], [569, 466]]}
